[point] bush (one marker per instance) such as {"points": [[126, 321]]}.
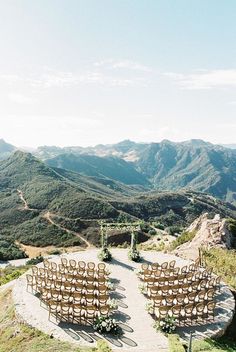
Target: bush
{"points": [[224, 263], [174, 343], [105, 255], [11, 273], [36, 260], [152, 232], [107, 325], [167, 325], [134, 256], [183, 238], [102, 346]]}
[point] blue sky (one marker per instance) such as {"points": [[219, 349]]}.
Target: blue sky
{"points": [[76, 72]]}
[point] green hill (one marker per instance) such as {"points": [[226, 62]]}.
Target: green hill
{"points": [[76, 203], [106, 167]]}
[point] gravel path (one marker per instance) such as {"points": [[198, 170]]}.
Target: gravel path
{"points": [[139, 334]]}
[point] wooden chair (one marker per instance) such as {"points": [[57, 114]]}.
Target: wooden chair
{"points": [[30, 282], [77, 313], [201, 296], [91, 266], [53, 309], [64, 262], [42, 272], [200, 311], [34, 270], [154, 267], [180, 298], [65, 312], [218, 283], [104, 311], [162, 312], [210, 295], [210, 310], [172, 264], [176, 312], [164, 265], [144, 266], [189, 312], [184, 269], [91, 312], [192, 297], [72, 264], [46, 264], [53, 267], [157, 300], [81, 266]]}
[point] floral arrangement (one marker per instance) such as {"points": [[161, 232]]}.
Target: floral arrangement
{"points": [[105, 255], [107, 325], [110, 285], [113, 304], [143, 289], [150, 307], [167, 325], [134, 255]]}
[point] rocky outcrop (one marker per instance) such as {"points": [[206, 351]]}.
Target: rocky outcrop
{"points": [[209, 233]]}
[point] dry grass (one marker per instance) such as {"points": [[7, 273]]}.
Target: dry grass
{"points": [[16, 337]]}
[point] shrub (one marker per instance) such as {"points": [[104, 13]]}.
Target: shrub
{"points": [[134, 255], [102, 346], [107, 325], [105, 255], [167, 325], [224, 263], [152, 232], [183, 238], [36, 260], [174, 343]]}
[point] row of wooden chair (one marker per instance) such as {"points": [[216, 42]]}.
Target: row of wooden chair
{"points": [[175, 274], [38, 284], [181, 288], [84, 299], [181, 298], [75, 312], [188, 313], [72, 265], [189, 280], [166, 266], [48, 272]]}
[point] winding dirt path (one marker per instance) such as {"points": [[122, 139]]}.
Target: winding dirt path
{"points": [[48, 215], [26, 206]]}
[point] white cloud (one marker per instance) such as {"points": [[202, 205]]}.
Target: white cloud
{"points": [[123, 64], [21, 99], [53, 79], [205, 79]]}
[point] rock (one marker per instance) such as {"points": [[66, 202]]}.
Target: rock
{"points": [[209, 233]]}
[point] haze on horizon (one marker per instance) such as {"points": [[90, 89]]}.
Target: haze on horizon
{"points": [[86, 72]]}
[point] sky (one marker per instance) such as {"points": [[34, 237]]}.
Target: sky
{"points": [[85, 72]]}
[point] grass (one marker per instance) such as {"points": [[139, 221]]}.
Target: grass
{"points": [[11, 273], [221, 345], [183, 238], [174, 343], [224, 263], [16, 337]]}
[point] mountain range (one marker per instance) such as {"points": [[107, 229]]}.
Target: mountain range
{"points": [[42, 205], [192, 165]]}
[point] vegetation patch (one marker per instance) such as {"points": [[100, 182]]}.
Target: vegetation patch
{"points": [[20, 338], [224, 263], [183, 238], [11, 273]]}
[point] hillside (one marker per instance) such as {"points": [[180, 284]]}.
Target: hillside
{"points": [[43, 206], [106, 167], [6, 149], [192, 165]]}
